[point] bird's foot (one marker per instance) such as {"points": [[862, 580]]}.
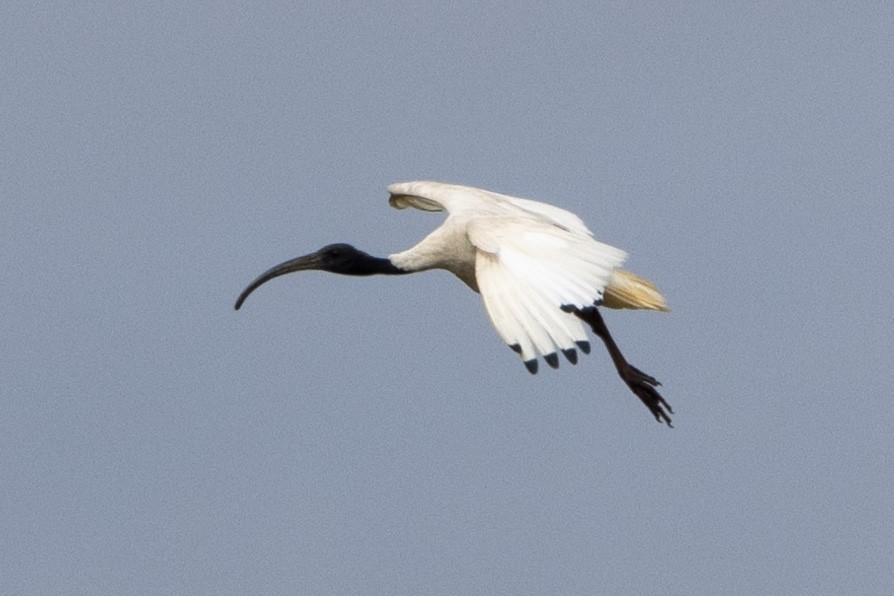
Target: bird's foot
{"points": [[643, 386]]}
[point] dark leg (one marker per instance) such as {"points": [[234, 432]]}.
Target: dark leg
{"points": [[639, 382]]}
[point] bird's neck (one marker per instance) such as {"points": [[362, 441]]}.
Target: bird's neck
{"points": [[370, 265]]}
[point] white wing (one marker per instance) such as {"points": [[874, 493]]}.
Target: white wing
{"points": [[456, 199], [529, 273], [532, 262]]}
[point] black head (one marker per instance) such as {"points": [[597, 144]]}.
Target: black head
{"points": [[340, 258], [334, 258]]}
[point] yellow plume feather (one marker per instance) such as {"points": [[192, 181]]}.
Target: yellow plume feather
{"points": [[626, 290]]}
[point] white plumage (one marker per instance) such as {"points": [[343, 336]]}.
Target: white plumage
{"points": [[529, 260], [539, 271]]}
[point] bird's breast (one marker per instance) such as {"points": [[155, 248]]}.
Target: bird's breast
{"points": [[446, 248]]}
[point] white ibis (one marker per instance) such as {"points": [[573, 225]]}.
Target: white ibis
{"points": [[537, 267]]}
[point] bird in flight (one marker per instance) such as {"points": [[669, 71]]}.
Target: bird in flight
{"points": [[539, 271]]}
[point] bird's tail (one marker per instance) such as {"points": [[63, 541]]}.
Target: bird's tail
{"points": [[626, 290]]}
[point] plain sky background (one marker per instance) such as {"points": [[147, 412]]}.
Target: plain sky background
{"points": [[343, 435]]}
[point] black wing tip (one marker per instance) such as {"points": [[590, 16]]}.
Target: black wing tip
{"points": [[571, 355], [531, 365], [584, 346], [552, 360], [515, 348]]}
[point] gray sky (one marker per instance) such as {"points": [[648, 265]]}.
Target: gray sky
{"points": [[344, 435]]}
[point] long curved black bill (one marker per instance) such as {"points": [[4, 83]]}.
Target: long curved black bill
{"points": [[311, 261]]}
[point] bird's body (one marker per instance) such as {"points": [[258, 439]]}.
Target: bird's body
{"points": [[540, 272]]}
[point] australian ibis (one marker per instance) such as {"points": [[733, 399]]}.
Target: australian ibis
{"points": [[539, 271]]}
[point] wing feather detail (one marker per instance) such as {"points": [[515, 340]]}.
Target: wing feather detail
{"points": [[534, 263], [528, 269], [502, 306], [428, 195], [423, 204]]}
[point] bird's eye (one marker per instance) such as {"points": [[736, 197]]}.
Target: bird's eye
{"points": [[335, 252]]}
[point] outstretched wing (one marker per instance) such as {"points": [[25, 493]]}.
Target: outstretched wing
{"points": [[456, 199], [531, 273], [534, 263]]}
